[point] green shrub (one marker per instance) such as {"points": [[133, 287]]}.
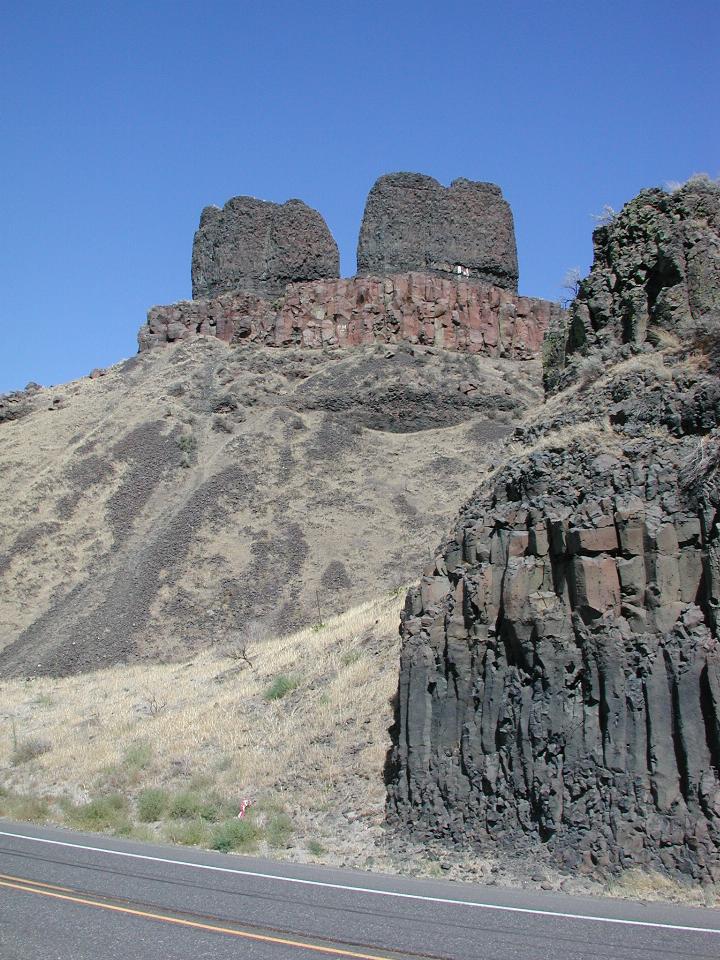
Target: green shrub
{"points": [[191, 833], [101, 813], [315, 848], [215, 808], [281, 686], [151, 804], [184, 806], [235, 835], [278, 829]]}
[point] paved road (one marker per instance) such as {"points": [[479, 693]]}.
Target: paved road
{"points": [[72, 896]]}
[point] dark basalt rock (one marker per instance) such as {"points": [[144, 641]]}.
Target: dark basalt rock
{"points": [[560, 672], [259, 247], [413, 223], [18, 403], [656, 270], [560, 668]]}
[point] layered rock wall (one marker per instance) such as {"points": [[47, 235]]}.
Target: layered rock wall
{"points": [[449, 314], [413, 223], [258, 247]]}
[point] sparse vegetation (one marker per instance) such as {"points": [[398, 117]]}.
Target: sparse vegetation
{"points": [[109, 813], [189, 833], [138, 755], [235, 835], [28, 748], [181, 775], [187, 444], [152, 804], [281, 686], [606, 216], [24, 807]]}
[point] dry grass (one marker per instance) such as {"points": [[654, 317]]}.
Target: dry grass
{"points": [[317, 747], [651, 886], [597, 432]]}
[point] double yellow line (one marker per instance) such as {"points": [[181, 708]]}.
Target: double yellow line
{"points": [[65, 893]]}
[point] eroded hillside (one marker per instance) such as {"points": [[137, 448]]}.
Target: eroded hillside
{"points": [[152, 511]]}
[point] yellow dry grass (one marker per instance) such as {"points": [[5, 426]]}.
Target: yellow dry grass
{"points": [[321, 746]]}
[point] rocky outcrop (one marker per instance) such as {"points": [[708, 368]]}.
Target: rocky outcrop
{"points": [[259, 247], [656, 271], [560, 672], [414, 308], [18, 403], [413, 223]]}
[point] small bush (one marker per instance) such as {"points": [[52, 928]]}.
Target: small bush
{"points": [[315, 848], [102, 813], [151, 804], [184, 806], [188, 446], [590, 370], [28, 748], [280, 687], [235, 835], [278, 829], [192, 833], [138, 755]]}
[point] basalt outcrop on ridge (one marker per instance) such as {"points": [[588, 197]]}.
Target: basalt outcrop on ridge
{"points": [[656, 271], [414, 308], [560, 672], [413, 223], [259, 247]]}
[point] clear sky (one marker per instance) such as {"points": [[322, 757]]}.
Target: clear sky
{"points": [[119, 121]]}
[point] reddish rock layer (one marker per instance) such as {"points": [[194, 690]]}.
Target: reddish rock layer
{"points": [[412, 307]]}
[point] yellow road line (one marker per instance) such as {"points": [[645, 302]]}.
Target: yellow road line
{"points": [[35, 883], [193, 923]]}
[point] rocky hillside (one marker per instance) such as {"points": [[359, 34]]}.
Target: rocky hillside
{"points": [[190, 491], [560, 674], [291, 450]]}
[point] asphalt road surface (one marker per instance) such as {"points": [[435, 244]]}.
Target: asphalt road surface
{"points": [[72, 896]]}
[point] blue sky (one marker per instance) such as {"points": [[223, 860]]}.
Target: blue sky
{"points": [[120, 121]]}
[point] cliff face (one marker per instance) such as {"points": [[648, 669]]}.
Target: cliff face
{"points": [[413, 308], [560, 673]]}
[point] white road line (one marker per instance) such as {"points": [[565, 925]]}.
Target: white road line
{"points": [[368, 890]]}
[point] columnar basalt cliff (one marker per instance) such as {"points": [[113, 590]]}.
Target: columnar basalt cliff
{"points": [[415, 308], [560, 672], [259, 247], [413, 223]]}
